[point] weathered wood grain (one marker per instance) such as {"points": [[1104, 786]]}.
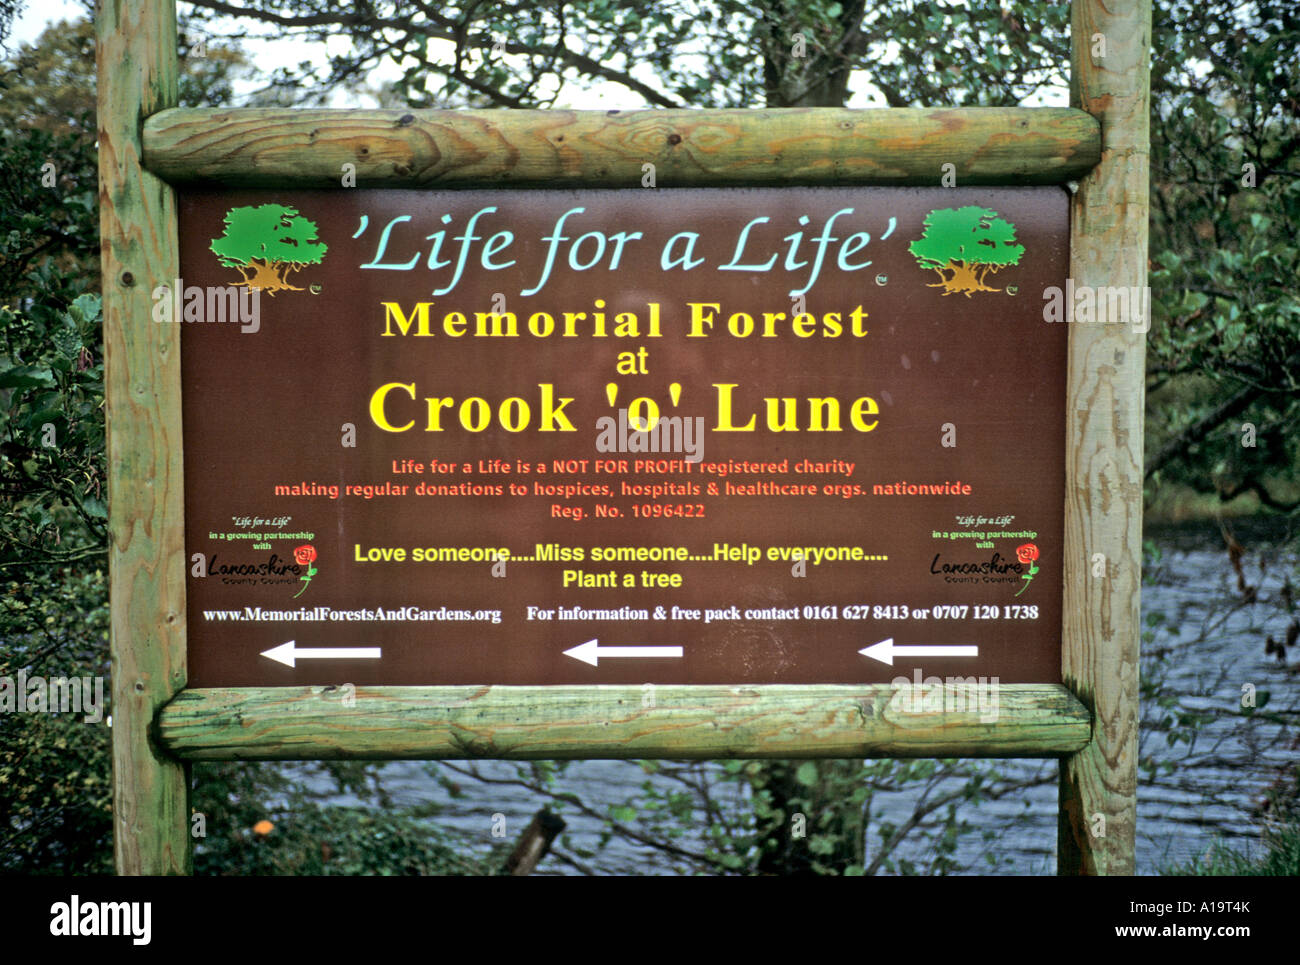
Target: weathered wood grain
{"points": [[1104, 413], [556, 148], [685, 722], [136, 55]]}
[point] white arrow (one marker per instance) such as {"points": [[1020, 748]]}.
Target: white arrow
{"points": [[591, 651], [286, 653], [885, 651]]}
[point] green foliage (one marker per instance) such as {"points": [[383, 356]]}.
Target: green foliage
{"points": [[715, 53], [55, 786], [1281, 858], [1225, 349], [785, 818], [306, 837], [54, 507], [1279, 854], [9, 9], [45, 83], [55, 769], [48, 214]]}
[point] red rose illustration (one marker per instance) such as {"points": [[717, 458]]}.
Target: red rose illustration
{"points": [[1027, 553], [305, 555]]}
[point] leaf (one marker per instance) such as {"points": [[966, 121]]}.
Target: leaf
{"points": [[821, 844], [66, 339], [27, 377], [85, 309], [807, 773], [37, 420]]}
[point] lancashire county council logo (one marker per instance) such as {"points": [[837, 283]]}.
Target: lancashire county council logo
{"points": [[964, 246], [265, 243], [1027, 555], [305, 556]]}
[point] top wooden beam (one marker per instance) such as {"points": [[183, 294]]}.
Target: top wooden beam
{"points": [[285, 148]]}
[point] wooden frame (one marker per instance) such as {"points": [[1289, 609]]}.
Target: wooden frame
{"points": [[136, 57], [423, 723], [460, 149], [147, 144], [1110, 78]]}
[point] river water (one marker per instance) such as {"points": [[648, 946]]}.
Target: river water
{"points": [[1205, 644]]}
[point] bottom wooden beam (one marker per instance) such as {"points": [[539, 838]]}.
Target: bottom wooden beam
{"points": [[620, 722]]}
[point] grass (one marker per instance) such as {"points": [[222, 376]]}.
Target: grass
{"points": [[1280, 859]]}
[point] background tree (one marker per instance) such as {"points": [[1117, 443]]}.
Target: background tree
{"points": [[9, 9], [679, 53], [55, 770], [1223, 382]]}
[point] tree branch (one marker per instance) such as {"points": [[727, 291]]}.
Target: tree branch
{"points": [[1199, 429], [442, 28]]}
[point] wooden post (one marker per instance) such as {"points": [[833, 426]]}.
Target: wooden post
{"points": [[1110, 78], [136, 57], [534, 843]]}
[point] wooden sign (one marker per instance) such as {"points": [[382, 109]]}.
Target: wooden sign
{"points": [[886, 413], [806, 435]]}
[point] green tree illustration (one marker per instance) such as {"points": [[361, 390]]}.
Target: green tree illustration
{"points": [[964, 246], [266, 242]]}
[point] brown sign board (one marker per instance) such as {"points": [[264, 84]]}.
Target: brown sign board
{"points": [[412, 449]]}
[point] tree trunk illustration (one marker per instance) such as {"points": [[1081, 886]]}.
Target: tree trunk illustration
{"points": [[269, 277], [965, 279]]}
